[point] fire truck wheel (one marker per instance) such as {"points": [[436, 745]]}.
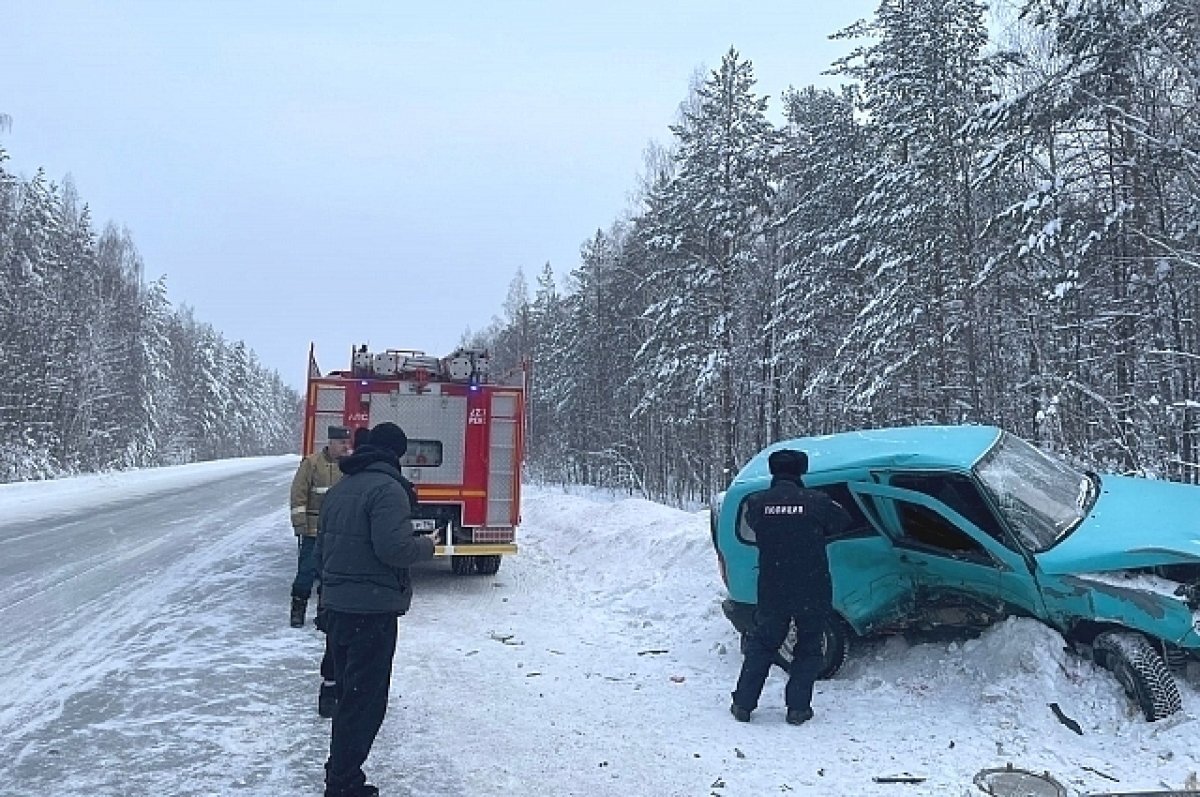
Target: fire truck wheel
{"points": [[462, 565], [487, 565]]}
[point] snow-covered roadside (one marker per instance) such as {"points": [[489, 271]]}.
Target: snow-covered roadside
{"points": [[596, 662], [942, 711], [24, 501]]}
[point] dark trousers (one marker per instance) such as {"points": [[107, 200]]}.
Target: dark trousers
{"points": [[362, 646], [306, 567], [327, 670], [771, 629]]}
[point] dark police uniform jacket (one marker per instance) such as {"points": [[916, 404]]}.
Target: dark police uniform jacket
{"points": [[791, 524]]}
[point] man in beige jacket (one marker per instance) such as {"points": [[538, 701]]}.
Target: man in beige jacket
{"points": [[316, 474]]}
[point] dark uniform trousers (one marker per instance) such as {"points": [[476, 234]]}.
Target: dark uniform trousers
{"points": [[306, 567], [362, 648], [770, 630]]}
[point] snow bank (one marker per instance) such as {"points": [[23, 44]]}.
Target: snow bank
{"points": [[25, 501], [634, 555], [941, 710]]}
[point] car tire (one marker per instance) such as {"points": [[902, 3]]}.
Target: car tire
{"points": [[835, 646], [462, 565], [1140, 670]]}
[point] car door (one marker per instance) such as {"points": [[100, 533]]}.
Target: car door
{"points": [[870, 590], [948, 556]]}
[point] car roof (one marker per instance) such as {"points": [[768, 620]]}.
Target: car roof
{"points": [[951, 447]]}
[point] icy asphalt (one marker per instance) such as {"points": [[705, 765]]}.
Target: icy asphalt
{"points": [[146, 652]]}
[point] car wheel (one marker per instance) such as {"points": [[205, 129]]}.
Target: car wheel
{"points": [[1141, 672], [835, 647], [462, 565]]}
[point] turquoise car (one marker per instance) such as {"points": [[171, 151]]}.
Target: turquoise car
{"points": [[960, 526]]}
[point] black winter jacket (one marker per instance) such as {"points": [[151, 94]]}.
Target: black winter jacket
{"points": [[366, 542], [791, 524]]}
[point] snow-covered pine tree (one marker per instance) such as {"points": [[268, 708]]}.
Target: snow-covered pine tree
{"points": [[155, 411], [113, 347], [824, 160], [705, 225], [511, 338], [95, 370], [71, 379], [548, 392], [1103, 122], [605, 309], [30, 272], [909, 356]]}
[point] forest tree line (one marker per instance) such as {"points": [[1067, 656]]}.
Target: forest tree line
{"points": [[97, 369], [999, 231]]}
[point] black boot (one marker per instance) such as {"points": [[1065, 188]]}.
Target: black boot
{"points": [[299, 607], [799, 716], [327, 700]]}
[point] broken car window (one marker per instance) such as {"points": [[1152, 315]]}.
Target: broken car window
{"points": [[1037, 494]]}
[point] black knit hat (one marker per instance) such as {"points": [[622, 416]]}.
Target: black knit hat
{"points": [[362, 436], [390, 436], [788, 462]]}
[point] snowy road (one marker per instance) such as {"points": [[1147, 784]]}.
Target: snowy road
{"points": [[147, 652], [126, 668]]}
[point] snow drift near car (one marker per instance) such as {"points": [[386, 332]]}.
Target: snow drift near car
{"points": [[961, 526]]}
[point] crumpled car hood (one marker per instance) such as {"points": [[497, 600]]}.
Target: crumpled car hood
{"points": [[1135, 523]]}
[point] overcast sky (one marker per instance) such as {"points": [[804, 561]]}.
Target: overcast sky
{"points": [[375, 172]]}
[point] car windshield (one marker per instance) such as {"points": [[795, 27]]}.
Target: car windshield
{"points": [[1042, 498]]}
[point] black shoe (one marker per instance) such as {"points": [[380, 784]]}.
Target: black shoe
{"points": [[327, 700], [365, 790], [799, 716], [299, 607], [740, 714]]}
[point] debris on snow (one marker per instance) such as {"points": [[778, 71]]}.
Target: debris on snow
{"points": [[1065, 720], [904, 778]]}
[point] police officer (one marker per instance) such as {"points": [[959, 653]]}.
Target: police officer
{"points": [[316, 474], [790, 524]]}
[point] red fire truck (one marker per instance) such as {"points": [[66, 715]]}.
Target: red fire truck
{"points": [[466, 440]]}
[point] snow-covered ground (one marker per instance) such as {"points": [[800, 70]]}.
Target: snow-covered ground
{"points": [[147, 652]]}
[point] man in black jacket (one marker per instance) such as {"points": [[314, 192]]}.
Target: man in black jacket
{"points": [[790, 524], [328, 696], [366, 546]]}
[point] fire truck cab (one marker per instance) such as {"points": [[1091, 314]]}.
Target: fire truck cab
{"points": [[466, 438]]}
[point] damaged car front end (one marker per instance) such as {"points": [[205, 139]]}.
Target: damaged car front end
{"points": [[962, 526]]}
